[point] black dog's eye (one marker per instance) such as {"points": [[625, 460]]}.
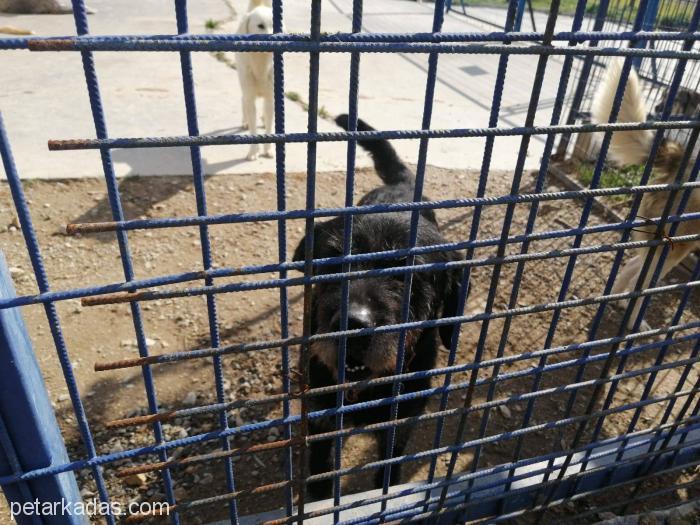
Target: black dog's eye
{"points": [[399, 262], [261, 26], [332, 268], [394, 263], [399, 277]]}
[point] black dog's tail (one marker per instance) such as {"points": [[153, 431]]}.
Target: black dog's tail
{"points": [[389, 166]]}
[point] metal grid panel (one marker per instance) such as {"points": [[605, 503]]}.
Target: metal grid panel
{"points": [[618, 16], [584, 461]]}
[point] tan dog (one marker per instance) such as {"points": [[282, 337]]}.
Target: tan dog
{"points": [[633, 147]]}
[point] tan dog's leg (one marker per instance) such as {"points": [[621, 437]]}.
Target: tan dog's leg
{"points": [[643, 325], [674, 257], [267, 116], [625, 279], [250, 117]]}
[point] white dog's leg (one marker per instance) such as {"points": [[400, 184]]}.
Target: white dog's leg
{"points": [[638, 263], [250, 116], [267, 148], [674, 256], [244, 119], [624, 280]]}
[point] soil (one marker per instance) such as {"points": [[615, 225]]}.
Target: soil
{"points": [[99, 334], [686, 514]]}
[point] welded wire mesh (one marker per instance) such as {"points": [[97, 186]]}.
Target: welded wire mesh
{"points": [[656, 75], [543, 407]]}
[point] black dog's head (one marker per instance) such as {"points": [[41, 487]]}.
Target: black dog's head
{"points": [[377, 301]]}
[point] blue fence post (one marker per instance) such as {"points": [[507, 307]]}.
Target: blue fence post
{"points": [[519, 15], [647, 25], [29, 434]]}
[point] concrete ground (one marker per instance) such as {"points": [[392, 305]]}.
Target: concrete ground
{"points": [[44, 95]]}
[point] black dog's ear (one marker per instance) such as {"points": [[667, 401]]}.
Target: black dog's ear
{"points": [[300, 250], [450, 304], [321, 239]]}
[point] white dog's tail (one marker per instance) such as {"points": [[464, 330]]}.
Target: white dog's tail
{"points": [[257, 3], [626, 147]]}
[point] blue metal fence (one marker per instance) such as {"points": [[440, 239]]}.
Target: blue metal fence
{"points": [[578, 460], [616, 15]]}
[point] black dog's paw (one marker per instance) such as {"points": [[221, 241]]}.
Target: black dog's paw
{"points": [[379, 479], [318, 490], [394, 478]]}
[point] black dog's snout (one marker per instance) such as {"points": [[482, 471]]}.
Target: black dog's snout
{"points": [[359, 316]]}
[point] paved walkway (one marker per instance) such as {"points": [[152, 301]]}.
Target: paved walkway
{"points": [[44, 95]]}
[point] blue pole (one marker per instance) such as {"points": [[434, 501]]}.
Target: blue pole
{"points": [[29, 433], [647, 25], [519, 15]]}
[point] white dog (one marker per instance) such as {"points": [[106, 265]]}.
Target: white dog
{"points": [[255, 73]]}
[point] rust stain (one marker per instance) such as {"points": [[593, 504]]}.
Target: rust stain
{"points": [[165, 511], [91, 227], [112, 298], [69, 144], [125, 363], [140, 420], [52, 44], [221, 454]]}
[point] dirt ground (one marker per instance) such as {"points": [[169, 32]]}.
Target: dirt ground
{"points": [[106, 333]]}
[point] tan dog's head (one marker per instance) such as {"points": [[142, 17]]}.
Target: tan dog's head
{"points": [[257, 22]]}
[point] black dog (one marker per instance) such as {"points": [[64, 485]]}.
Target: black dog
{"points": [[374, 302]]}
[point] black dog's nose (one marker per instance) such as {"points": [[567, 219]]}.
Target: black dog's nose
{"points": [[359, 316]]}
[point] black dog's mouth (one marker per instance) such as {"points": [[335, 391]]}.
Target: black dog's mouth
{"points": [[355, 367], [355, 370]]}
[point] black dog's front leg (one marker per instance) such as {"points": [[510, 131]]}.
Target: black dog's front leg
{"points": [[400, 440], [320, 461], [319, 453], [406, 409]]}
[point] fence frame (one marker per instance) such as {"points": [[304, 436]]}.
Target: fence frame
{"points": [[506, 490], [29, 434]]}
